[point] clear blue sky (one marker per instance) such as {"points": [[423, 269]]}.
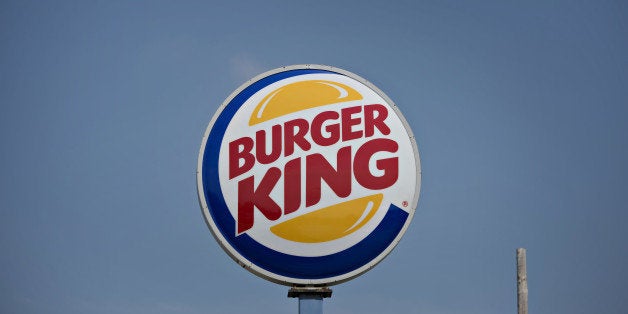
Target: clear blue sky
{"points": [[520, 110]]}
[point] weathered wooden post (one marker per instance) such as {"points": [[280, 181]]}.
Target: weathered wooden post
{"points": [[522, 282]]}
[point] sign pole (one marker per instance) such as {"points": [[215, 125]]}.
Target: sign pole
{"points": [[310, 298], [522, 282]]}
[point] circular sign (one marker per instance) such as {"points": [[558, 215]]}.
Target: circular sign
{"points": [[308, 175]]}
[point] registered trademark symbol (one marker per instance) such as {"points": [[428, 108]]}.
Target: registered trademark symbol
{"points": [[405, 203]]}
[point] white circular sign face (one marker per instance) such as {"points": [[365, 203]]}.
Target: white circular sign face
{"points": [[308, 175]]}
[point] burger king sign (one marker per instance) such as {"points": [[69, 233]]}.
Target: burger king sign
{"points": [[308, 175]]}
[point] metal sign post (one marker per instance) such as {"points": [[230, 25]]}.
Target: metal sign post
{"points": [[310, 298]]}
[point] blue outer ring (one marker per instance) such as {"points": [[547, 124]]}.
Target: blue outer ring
{"points": [[300, 267]]}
